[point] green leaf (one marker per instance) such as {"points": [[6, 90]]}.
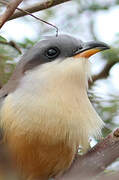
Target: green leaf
{"points": [[3, 39]]}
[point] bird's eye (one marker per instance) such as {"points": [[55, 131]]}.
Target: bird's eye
{"points": [[52, 52]]}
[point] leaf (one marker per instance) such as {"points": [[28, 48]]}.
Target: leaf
{"points": [[2, 39]]}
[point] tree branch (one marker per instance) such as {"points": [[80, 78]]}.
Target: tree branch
{"points": [[38, 7], [12, 44], [22, 12], [91, 164], [103, 74], [11, 7]]}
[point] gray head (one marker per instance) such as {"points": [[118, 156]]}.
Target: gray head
{"points": [[48, 50], [53, 47]]}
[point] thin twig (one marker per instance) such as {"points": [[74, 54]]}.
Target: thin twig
{"points": [[28, 13], [12, 44], [103, 74]]}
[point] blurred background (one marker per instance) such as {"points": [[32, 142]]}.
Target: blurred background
{"points": [[87, 20]]}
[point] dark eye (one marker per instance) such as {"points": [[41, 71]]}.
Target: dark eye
{"points": [[52, 52]]}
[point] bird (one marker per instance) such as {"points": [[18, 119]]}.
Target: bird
{"points": [[44, 107]]}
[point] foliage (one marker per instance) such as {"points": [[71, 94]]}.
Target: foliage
{"points": [[7, 63]]}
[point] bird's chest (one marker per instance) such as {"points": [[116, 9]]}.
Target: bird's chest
{"points": [[56, 113], [48, 104], [41, 131]]}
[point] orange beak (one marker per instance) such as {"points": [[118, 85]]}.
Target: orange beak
{"points": [[88, 49]]}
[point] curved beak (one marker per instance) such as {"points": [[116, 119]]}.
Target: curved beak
{"points": [[90, 48]]}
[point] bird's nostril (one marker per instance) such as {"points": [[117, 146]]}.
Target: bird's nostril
{"points": [[77, 49]]}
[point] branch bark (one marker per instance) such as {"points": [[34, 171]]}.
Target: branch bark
{"points": [[11, 7], [91, 164], [38, 7]]}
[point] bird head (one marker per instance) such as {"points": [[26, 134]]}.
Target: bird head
{"points": [[61, 53], [60, 56], [60, 47]]}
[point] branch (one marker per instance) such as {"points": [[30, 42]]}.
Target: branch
{"points": [[38, 7], [11, 7], [91, 164], [12, 44], [44, 5], [103, 74]]}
